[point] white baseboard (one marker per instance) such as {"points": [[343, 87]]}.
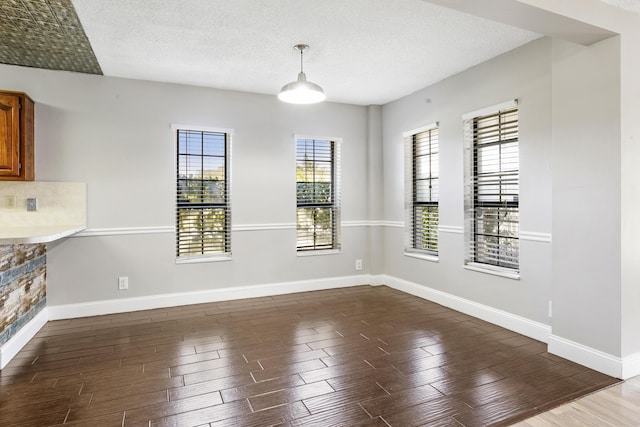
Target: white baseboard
{"points": [[521, 325], [22, 337], [96, 308], [630, 366], [623, 368], [587, 356], [597, 360], [594, 359]]}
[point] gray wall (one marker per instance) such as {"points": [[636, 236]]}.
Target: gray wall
{"points": [[586, 194], [570, 159], [630, 193], [524, 74], [375, 173], [114, 134]]}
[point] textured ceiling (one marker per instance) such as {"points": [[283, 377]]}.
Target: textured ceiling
{"points": [[362, 51], [628, 5], [44, 34]]}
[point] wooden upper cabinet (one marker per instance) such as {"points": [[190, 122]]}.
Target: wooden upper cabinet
{"points": [[16, 137], [10, 134]]}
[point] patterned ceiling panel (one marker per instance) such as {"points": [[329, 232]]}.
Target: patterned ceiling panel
{"points": [[44, 34]]}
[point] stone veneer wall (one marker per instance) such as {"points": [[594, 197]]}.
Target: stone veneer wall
{"points": [[22, 286]]}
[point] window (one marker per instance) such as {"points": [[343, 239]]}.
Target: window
{"points": [[203, 207], [422, 178], [492, 205], [317, 194]]}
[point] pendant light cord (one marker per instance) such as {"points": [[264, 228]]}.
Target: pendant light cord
{"points": [[301, 61]]}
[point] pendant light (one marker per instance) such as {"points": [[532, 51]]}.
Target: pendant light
{"points": [[301, 91]]}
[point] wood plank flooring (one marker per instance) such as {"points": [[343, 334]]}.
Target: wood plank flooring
{"points": [[360, 356]]}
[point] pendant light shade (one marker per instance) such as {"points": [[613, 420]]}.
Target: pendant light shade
{"points": [[301, 91]]}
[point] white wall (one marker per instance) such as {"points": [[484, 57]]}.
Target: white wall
{"points": [[524, 74], [114, 134]]}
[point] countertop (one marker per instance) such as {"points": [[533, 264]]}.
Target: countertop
{"points": [[37, 234]]}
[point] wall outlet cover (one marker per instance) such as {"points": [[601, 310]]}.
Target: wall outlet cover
{"points": [[32, 204]]}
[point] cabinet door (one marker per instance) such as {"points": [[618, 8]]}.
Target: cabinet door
{"points": [[9, 135]]}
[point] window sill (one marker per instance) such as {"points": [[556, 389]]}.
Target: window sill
{"points": [[203, 258], [418, 255], [496, 271], [320, 252]]}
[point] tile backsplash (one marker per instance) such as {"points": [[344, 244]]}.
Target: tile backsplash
{"points": [[59, 203]]}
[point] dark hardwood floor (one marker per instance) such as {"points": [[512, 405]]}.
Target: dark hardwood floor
{"points": [[361, 356]]}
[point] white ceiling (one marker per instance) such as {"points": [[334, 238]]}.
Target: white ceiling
{"points": [[362, 51]]}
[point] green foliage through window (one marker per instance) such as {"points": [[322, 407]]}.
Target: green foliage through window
{"points": [[496, 188], [203, 217], [425, 191], [316, 198]]}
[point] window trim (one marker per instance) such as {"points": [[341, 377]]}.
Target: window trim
{"points": [[470, 195], [424, 257], [216, 257], [492, 269], [410, 203], [336, 148]]}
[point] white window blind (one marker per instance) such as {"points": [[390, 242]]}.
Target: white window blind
{"points": [[422, 190], [203, 205], [492, 202], [317, 194]]}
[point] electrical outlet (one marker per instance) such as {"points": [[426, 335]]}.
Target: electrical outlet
{"points": [[11, 202], [123, 283], [358, 264], [550, 309]]}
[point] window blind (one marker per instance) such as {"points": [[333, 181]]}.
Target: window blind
{"points": [[493, 208], [317, 194], [203, 206], [422, 186]]}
